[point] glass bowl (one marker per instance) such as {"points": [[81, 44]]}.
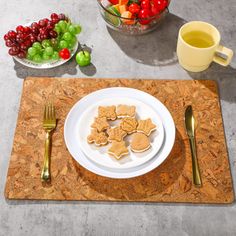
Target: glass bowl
{"points": [[131, 26]]}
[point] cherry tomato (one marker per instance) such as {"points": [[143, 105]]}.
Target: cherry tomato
{"points": [[144, 14], [154, 10], [160, 4], [64, 53], [134, 8], [145, 4], [114, 2]]}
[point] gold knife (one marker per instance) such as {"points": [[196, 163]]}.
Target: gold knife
{"points": [[189, 125]]}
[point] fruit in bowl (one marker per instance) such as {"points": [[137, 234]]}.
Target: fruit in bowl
{"points": [[43, 41], [133, 16]]}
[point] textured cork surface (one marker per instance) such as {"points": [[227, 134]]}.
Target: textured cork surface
{"points": [[170, 182]]}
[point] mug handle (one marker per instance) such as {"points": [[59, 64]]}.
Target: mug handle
{"points": [[221, 50]]}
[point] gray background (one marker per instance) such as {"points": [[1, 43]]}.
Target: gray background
{"points": [[114, 55]]}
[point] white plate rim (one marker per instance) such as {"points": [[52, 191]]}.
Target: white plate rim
{"points": [[149, 166]]}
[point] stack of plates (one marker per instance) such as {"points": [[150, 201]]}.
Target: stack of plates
{"points": [[96, 159]]}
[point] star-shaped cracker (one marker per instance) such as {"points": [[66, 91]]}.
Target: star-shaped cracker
{"points": [[146, 126], [129, 124], [125, 111], [100, 124], [98, 138], [118, 149], [109, 112], [116, 134]]}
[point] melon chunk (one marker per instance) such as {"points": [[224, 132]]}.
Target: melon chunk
{"points": [[122, 9], [127, 14]]}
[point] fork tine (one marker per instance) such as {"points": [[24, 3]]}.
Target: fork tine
{"points": [[45, 113], [53, 113], [48, 110]]}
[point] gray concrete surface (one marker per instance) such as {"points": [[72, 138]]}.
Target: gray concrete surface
{"points": [[114, 55]]}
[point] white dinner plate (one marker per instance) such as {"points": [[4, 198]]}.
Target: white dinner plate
{"points": [[77, 111], [99, 155]]}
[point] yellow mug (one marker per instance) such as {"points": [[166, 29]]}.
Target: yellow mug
{"points": [[199, 44]]}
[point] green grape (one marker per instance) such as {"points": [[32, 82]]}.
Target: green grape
{"points": [[72, 29], [48, 51], [46, 57], [67, 36], [46, 43], [37, 46], [32, 51], [62, 24], [72, 43], [37, 58], [55, 55], [29, 57], [63, 44], [78, 29], [57, 28]]}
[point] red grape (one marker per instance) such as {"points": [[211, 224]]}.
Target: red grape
{"points": [[55, 20], [54, 16], [43, 22], [34, 25], [39, 38], [11, 34], [28, 43], [23, 46], [27, 30], [44, 36], [20, 38], [50, 25], [22, 54], [12, 52], [53, 33], [35, 30], [42, 31], [6, 37], [15, 49], [61, 16], [9, 43], [32, 38], [20, 29]]}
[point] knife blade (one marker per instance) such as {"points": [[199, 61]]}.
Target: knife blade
{"points": [[190, 130]]}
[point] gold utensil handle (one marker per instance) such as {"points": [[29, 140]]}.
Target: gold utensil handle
{"points": [[45, 175], [196, 173]]}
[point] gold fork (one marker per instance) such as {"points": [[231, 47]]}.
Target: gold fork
{"points": [[49, 124]]}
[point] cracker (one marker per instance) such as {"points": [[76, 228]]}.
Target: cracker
{"points": [[99, 138], [116, 134], [146, 126], [109, 112], [125, 111], [129, 125], [140, 142], [118, 149], [100, 124]]}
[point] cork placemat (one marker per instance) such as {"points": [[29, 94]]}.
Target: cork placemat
{"points": [[170, 182]]}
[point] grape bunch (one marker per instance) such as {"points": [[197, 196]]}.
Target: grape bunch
{"points": [[43, 40]]}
